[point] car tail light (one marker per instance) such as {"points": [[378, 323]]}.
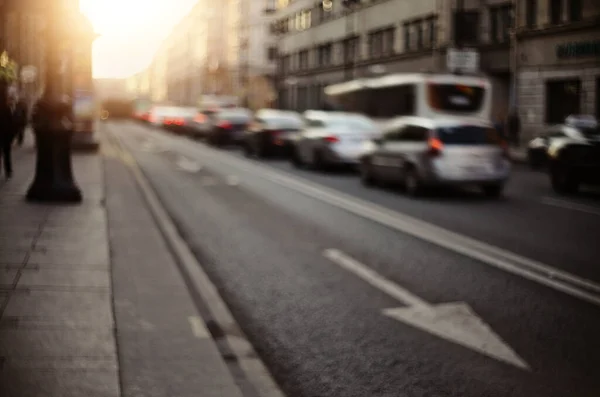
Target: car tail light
{"points": [[224, 124], [435, 147], [200, 118], [179, 122], [331, 139], [168, 122]]}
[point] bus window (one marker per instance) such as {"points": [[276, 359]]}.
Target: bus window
{"points": [[455, 97], [394, 101]]}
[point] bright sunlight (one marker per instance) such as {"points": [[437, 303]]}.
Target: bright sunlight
{"points": [[131, 31]]}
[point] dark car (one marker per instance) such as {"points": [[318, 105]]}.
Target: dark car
{"points": [[270, 132], [537, 148], [575, 161], [228, 126]]}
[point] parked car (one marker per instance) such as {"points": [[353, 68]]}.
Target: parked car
{"points": [[158, 114], [421, 152], [575, 160], [201, 124], [179, 119], [271, 131], [228, 126], [331, 138], [537, 148]]}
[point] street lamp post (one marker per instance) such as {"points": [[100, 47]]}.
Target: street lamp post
{"points": [[52, 117]]}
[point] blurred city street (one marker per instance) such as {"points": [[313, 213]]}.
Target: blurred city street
{"points": [[331, 280]]}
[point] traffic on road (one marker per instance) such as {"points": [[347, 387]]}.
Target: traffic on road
{"points": [[349, 290]]}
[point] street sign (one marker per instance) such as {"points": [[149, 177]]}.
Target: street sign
{"points": [[463, 60]]}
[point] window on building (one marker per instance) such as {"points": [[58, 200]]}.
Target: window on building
{"points": [[272, 53], [375, 44], [531, 10], [563, 98], [324, 55], [555, 8], [407, 46], [350, 48], [575, 10], [418, 27], [303, 60], [466, 27], [501, 19], [431, 34], [387, 45]]}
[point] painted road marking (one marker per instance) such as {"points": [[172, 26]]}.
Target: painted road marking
{"points": [[198, 327], [499, 258], [570, 205], [455, 322], [187, 165], [507, 261]]}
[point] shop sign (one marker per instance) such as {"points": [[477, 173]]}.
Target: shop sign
{"points": [[578, 49]]}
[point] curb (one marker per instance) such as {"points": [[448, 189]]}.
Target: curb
{"points": [[206, 295]]}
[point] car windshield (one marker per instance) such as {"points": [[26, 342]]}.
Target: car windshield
{"points": [[468, 135], [284, 121], [353, 123], [234, 115]]}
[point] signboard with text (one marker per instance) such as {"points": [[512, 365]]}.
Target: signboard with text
{"points": [[464, 60]]}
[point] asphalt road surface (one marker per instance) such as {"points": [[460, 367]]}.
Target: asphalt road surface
{"points": [[349, 291]]}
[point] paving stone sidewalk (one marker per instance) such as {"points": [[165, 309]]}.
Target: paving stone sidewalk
{"points": [[56, 321], [78, 281]]}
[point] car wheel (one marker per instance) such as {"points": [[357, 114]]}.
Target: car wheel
{"points": [[295, 158], [366, 174], [319, 162], [492, 191], [535, 160], [412, 183], [563, 182], [247, 148]]}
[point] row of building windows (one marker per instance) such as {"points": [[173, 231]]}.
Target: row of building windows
{"points": [[557, 14], [418, 35]]}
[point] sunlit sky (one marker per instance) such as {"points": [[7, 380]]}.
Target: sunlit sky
{"points": [[131, 31]]}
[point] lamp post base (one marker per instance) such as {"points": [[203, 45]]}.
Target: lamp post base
{"points": [[53, 181]]}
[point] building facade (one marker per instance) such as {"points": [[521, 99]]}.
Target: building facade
{"points": [[324, 45], [558, 61]]}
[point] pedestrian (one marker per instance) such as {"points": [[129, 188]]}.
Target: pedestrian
{"points": [[8, 129], [22, 119], [513, 126]]}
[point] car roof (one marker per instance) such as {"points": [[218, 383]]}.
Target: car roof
{"points": [[277, 112], [322, 114]]}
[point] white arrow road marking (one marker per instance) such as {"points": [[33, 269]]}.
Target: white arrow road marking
{"points": [[198, 327], [455, 322], [188, 165], [233, 180], [569, 205]]}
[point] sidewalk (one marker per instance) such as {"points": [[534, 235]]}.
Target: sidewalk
{"points": [[67, 300]]}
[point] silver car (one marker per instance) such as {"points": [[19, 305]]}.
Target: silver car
{"points": [[332, 138], [421, 152]]}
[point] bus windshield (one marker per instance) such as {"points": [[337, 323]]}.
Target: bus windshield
{"points": [[455, 97]]}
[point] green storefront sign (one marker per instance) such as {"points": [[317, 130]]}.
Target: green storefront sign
{"points": [[578, 49]]}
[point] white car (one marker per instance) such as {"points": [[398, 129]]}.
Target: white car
{"points": [[421, 152], [332, 138]]}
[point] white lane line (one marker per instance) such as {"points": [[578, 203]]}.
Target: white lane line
{"points": [[570, 205], [373, 278], [198, 327], [507, 261], [455, 321]]}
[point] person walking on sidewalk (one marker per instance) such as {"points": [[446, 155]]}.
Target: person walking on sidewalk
{"points": [[9, 125], [513, 127], [22, 119]]}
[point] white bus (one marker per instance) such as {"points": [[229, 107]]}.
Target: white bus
{"points": [[418, 94]]}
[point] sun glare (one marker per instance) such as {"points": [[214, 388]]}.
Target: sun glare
{"points": [[122, 17]]}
